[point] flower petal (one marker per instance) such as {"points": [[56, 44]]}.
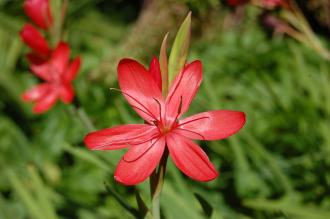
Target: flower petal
{"points": [[46, 102], [154, 70], [41, 70], [57, 64], [35, 59], [183, 90], [60, 58], [31, 36], [72, 70], [140, 89], [136, 151], [36, 92], [190, 158], [237, 2], [212, 125], [136, 171], [39, 12], [120, 136], [66, 93]]}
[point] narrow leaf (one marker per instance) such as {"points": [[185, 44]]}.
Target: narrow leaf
{"points": [[300, 211], [86, 156], [142, 207], [25, 196], [180, 49], [121, 200], [207, 208], [41, 194]]}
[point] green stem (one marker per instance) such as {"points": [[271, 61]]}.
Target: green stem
{"points": [[156, 185], [85, 119], [78, 112]]}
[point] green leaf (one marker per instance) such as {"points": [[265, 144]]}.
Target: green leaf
{"points": [[25, 195], [87, 156], [42, 196], [121, 200], [207, 208], [142, 207], [300, 211], [180, 49]]}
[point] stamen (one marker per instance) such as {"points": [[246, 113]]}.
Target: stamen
{"points": [[150, 113], [180, 106], [129, 161], [118, 142], [203, 138], [133, 106], [160, 110], [204, 117], [179, 110], [176, 87]]}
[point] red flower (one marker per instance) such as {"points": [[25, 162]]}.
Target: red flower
{"points": [[33, 39], [57, 73], [39, 12], [146, 142], [237, 2]]}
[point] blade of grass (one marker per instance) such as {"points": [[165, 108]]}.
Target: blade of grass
{"points": [[41, 194]]}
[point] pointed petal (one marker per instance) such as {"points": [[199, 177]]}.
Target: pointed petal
{"points": [[57, 64], [46, 102], [39, 12], [60, 58], [154, 70], [135, 171], [41, 70], [136, 151], [66, 93], [36, 92], [190, 158], [31, 36], [72, 70], [120, 136], [140, 89], [183, 90], [212, 125]]}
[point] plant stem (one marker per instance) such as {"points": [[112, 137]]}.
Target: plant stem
{"points": [[78, 112], [85, 119], [156, 185]]}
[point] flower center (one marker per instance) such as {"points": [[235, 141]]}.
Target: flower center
{"points": [[167, 127], [55, 74]]}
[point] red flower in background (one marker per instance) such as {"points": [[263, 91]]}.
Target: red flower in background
{"points": [[33, 39], [58, 74], [237, 2], [146, 142], [39, 12]]}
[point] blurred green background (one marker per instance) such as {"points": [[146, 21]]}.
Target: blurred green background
{"points": [[276, 167]]}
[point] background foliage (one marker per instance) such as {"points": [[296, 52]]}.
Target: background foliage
{"points": [[276, 167]]}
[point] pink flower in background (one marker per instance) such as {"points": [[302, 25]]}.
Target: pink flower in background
{"points": [[264, 3], [58, 74], [33, 39], [272, 3], [163, 125], [39, 12]]}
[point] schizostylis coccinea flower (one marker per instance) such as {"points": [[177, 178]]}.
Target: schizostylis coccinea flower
{"points": [[57, 74], [39, 12], [163, 126], [34, 39]]}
